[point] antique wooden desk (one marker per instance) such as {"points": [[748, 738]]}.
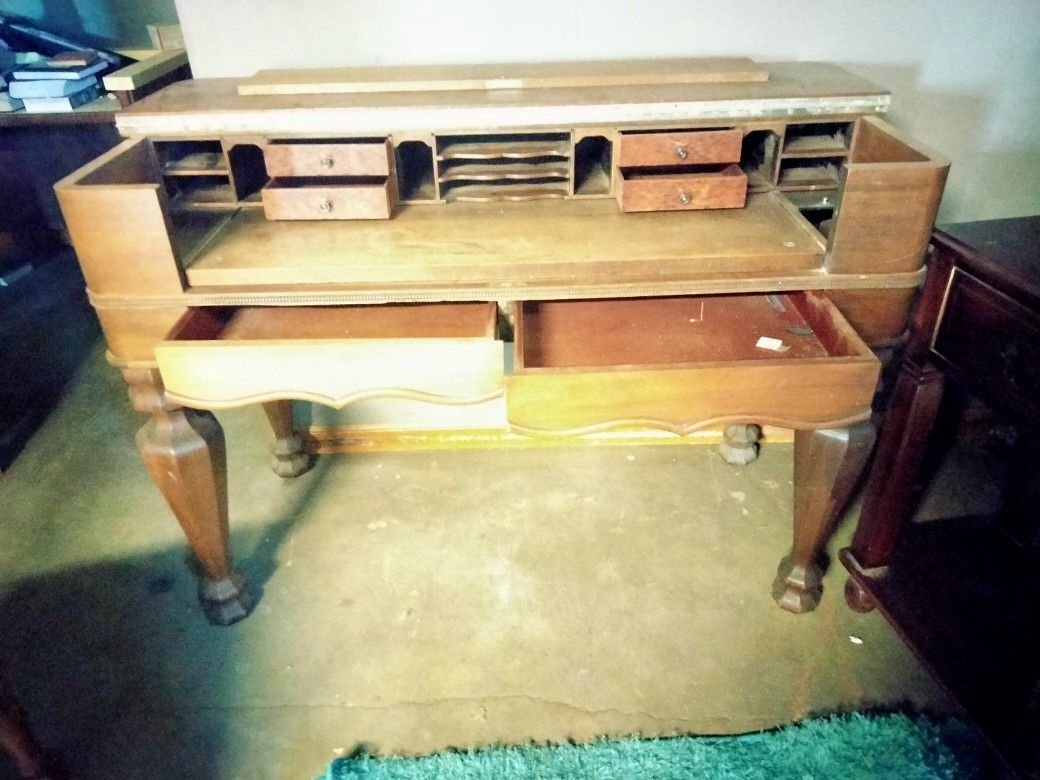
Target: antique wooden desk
{"points": [[962, 592], [636, 228]]}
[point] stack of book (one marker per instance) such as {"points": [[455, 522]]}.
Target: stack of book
{"points": [[60, 83]]}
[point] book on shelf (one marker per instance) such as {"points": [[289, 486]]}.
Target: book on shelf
{"points": [[50, 88], [8, 103], [57, 104], [71, 59], [43, 70]]}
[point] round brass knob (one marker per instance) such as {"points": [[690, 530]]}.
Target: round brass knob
{"points": [[684, 198], [325, 206], [682, 152], [327, 162]]}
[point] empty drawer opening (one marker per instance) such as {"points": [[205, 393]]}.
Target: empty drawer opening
{"points": [[285, 183], [399, 321], [676, 331], [659, 172], [414, 163], [592, 164]]}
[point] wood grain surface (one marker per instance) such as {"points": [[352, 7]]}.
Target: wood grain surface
{"points": [[506, 244], [527, 75]]}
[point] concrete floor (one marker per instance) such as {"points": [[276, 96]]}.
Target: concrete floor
{"points": [[411, 602]]}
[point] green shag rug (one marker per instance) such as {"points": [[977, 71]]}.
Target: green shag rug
{"points": [[851, 747]]}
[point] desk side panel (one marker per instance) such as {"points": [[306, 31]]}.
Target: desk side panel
{"points": [[133, 332], [118, 219]]}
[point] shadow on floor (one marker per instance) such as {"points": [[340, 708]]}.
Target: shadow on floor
{"points": [[87, 650]]}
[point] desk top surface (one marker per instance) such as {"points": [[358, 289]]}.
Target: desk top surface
{"points": [[215, 106], [1004, 251], [512, 248]]}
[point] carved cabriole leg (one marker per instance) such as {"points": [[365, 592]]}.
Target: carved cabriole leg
{"points": [[184, 452], [16, 740], [857, 597], [827, 464], [289, 458], [740, 444]]}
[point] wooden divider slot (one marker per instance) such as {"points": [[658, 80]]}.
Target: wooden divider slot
{"points": [[504, 167]]}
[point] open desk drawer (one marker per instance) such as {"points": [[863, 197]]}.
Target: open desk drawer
{"points": [[217, 358], [681, 363]]}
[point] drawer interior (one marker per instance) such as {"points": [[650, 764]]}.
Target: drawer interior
{"points": [[309, 182], [679, 331], [675, 172], [396, 321]]}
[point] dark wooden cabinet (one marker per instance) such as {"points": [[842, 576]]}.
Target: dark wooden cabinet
{"points": [[964, 593]]}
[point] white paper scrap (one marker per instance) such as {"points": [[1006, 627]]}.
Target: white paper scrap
{"points": [[775, 345]]}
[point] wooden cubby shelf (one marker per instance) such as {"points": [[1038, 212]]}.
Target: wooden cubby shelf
{"points": [[504, 167], [191, 158], [825, 139]]}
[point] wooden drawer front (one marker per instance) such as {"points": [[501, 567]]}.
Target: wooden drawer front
{"points": [[354, 198], [706, 147], [218, 358], [725, 189], [342, 159], [994, 341], [683, 363]]}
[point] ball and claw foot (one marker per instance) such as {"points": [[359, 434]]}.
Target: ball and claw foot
{"points": [[289, 458], [857, 597], [797, 588], [740, 444], [225, 601]]}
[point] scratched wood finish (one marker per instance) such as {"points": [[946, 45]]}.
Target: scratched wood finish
{"points": [[725, 189], [214, 107], [667, 363], [339, 159], [689, 148], [485, 244]]}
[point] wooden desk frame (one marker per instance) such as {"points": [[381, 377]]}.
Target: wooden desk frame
{"points": [[169, 225]]}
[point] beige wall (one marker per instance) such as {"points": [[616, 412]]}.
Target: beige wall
{"points": [[965, 74]]}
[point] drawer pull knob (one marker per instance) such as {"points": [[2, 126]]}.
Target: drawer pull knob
{"points": [[682, 152], [326, 162], [684, 198], [325, 206]]}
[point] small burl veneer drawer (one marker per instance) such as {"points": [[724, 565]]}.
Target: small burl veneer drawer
{"points": [[355, 197], [686, 191], [993, 340], [355, 158], [217, 358], [686, 362], [697, 147]]}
